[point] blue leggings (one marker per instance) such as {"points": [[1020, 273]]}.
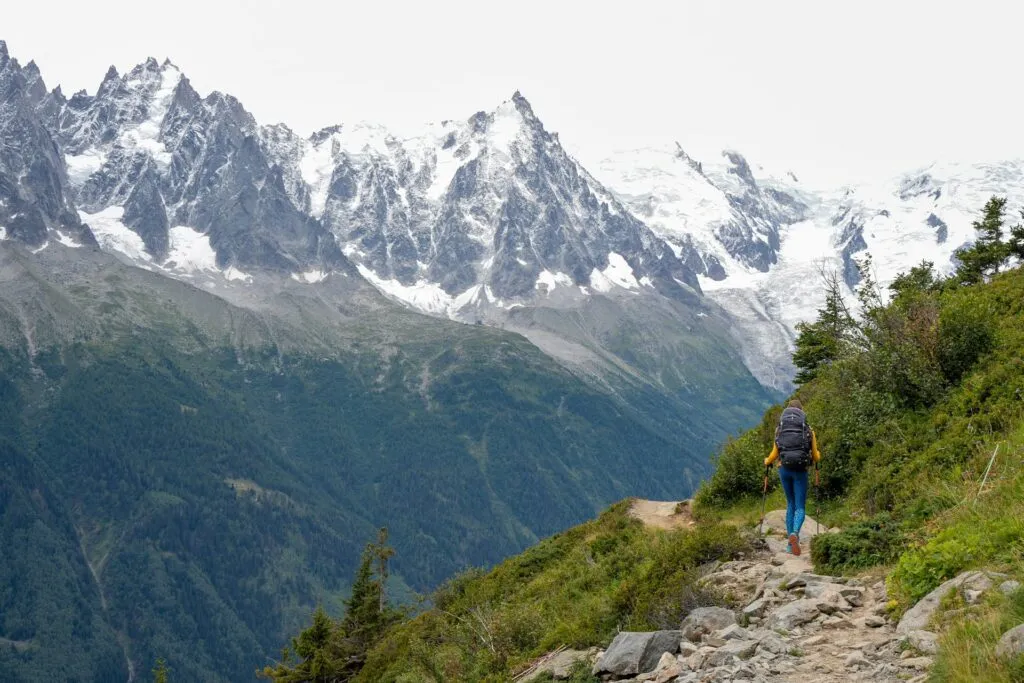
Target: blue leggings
{"points": [[795, 486]]}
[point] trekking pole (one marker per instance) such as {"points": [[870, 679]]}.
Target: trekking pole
{"points": [[817, 499], [764, 499]]}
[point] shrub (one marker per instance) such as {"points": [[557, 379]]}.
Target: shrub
{"points": [[876, 541], [965, 333]]}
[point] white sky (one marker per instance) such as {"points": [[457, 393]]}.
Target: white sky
{"points": [[835, 91]]}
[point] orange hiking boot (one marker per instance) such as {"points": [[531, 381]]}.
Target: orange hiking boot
{"points": [[794, 544]]}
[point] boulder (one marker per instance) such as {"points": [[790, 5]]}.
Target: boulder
{"points": [[1012, 643], [756, 608], [792, 615], [918, 617], [632, 653], [706, 620], [1008, 587], [923, 641], [560, 665]]}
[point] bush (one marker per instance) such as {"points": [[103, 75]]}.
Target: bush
{"points": [[965, 333], [876, 541]]}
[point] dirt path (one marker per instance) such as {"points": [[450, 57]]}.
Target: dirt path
{"points": [[658, 514]]}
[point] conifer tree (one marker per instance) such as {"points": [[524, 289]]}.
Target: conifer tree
{"points": [[988, 254], [1016, 243], [823, 341]]}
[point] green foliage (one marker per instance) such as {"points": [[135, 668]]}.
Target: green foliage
{"points": [[966, 332], [826, 339], [989, 253], [868, 543], [967, 646], [161, 671], [216, 495], [574, 589], [984, 532], [331, 652]]}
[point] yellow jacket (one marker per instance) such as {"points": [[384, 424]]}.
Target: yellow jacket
{"points": [[814, 451]]}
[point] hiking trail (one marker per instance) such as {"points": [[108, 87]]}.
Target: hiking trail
{"points": [[788, 624]]}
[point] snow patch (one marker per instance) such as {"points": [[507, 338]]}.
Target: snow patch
{"points": [[618, 273], [316, 167], [233, 274], [146, 135], [549, 281], [190, 251], [310, 276], [67, 241], [3, 233], [82, 166], [113, 235], [425, 296]]}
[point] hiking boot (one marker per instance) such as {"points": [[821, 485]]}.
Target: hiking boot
{"points": [[794, 544]]}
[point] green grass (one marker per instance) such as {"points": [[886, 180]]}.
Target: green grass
{"points": [[575, 589], [967, 648]]}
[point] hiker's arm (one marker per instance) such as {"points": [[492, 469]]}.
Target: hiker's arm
{"points": [[774, 454], [814, 447]]}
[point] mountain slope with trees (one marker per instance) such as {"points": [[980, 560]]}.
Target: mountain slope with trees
{"points": [[917, 397]]}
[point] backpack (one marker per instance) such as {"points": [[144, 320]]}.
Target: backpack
{"points": [[793, 439]]}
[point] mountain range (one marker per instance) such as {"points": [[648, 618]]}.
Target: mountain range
{"points": [[231, 351]]}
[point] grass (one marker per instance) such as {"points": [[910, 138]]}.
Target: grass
{"points": [[985, 529], [576, 589], [967, 647]]}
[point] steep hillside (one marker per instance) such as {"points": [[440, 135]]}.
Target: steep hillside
{"points": [[918, 403], [208, 472]]}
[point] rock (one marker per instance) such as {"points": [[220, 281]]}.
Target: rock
{"points": [[560, 665], [1011, 644], [667, 669], [773, 644], [919, 663], [831, 602], [920, 615], [714, 641], [686, 648], [731, 651], [837, 622], [856, 659], [705, 620], [733, 632], [792, 615], [632, 653], [923, 641], [814, 640], [874, 621], [756, 608], [1008, 587]]}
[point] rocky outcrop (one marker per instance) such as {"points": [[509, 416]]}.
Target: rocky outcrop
{"points": [[1011, 644], [636, 653]]}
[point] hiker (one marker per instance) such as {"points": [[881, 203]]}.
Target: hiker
{"points": [[796, 449]]}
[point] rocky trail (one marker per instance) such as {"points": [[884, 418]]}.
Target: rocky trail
{"points": [[789, 625]]}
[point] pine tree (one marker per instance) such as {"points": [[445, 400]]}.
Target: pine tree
{"points": [[363, 608], [160, 671], [825, 340], [1016, 243], [988, 254]]}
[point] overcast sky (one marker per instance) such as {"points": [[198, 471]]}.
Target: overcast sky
{"points": [[835, 91]]}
